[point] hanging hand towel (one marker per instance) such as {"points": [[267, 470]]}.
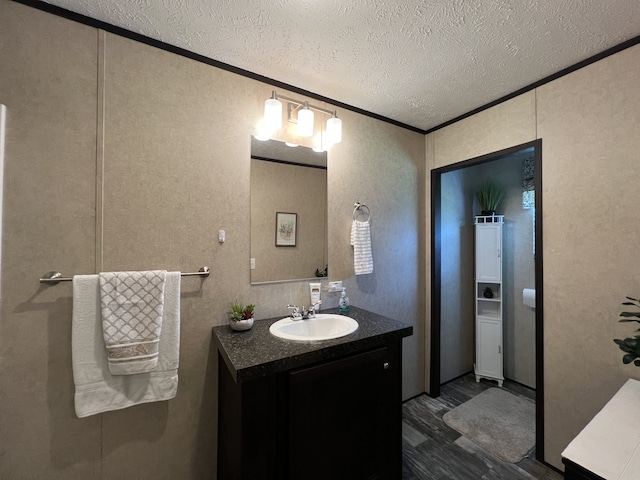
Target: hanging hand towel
{"points": [[132, 306], [361, 241], [96, 390]]}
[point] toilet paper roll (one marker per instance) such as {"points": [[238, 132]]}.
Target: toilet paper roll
{"points": [[529, 297]]}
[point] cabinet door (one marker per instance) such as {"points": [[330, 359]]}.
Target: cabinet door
{"points": [[344, 419], [489, 347], [488, 253]]}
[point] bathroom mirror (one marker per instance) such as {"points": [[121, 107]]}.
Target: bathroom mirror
{"points": [[288, 186]]}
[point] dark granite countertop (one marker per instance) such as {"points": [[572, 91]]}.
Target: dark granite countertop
{"points": [[257, 353]]}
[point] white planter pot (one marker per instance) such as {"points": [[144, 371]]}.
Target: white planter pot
{"points": [[241, 325]]}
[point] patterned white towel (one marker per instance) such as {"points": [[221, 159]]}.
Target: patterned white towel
{"points": [[361, 241], [132, 308], [96, 390]]}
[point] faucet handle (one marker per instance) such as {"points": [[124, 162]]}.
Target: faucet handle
{"points": [[312, 308], [296, 310]]}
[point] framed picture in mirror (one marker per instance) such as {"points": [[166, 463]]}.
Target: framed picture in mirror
{"points": [[286, 229]]}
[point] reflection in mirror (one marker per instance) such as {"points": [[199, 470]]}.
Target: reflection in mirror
{"points": [[287, 180]]}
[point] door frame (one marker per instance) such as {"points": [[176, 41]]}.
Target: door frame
{"points": [[435, 330]]}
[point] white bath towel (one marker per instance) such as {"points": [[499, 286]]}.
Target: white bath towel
{"points": [[361, 241], [132, 304], [96, 390]]}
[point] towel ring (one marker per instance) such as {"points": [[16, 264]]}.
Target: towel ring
{"points": [[358, 208]]}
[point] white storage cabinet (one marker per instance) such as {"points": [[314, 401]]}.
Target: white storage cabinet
{"points": [[488, 308]]}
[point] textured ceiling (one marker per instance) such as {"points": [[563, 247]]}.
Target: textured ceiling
{"points": [[421, 63]]}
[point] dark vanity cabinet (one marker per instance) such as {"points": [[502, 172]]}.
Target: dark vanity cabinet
{"points": [[344, 418], [329, 412]]}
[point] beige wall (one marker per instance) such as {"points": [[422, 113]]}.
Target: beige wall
{"points": [[457, 273], [49, 223], [588, 122], [123, 156], [505, 125], [519, 321], [280, 187], [382, 167]]}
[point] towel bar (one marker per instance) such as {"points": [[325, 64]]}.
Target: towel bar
{"points": [[53, 278]]}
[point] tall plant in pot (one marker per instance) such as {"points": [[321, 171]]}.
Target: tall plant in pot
{"points": [[489, 196]]}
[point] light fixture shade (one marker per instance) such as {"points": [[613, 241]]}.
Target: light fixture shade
{"points": [[273, 113], [305, 122], [263, 132], [334, 130]]}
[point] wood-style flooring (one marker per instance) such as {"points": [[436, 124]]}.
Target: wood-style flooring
{"points": [[433, 450]]}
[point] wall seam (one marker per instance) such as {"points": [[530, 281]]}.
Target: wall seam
{"points": [[100, 152], [99, 225], [3, 128]]}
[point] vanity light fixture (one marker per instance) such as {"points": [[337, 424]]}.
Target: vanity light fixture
{"points": [[264, 131], [301, 113], [305, 121], [273, 113], [334, 129]]}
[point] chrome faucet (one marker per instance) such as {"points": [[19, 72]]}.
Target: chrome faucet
{"points": [[295, 314], [312, 309], [302, 313]]}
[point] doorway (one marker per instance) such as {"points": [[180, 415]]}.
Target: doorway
{"points": [[437, 240]]}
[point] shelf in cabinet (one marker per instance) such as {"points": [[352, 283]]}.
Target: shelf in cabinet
{"points": [[483, 299], [489, 309], [489, 316]]}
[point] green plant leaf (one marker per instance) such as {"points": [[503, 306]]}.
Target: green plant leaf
{"points": [[625, 349], [630, 346], [239, 311], [489, 195], [624, 320]]}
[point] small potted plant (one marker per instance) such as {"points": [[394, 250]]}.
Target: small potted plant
{"points": [[630, 346], [489, 196], [240, 316]]}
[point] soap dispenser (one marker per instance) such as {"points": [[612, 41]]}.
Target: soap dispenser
{"points": [[343, 304]]}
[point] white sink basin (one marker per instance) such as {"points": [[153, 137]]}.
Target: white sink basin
{"points": [[324, 327]]}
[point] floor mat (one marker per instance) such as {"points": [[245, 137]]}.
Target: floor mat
{"points": [[501, 423]]}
